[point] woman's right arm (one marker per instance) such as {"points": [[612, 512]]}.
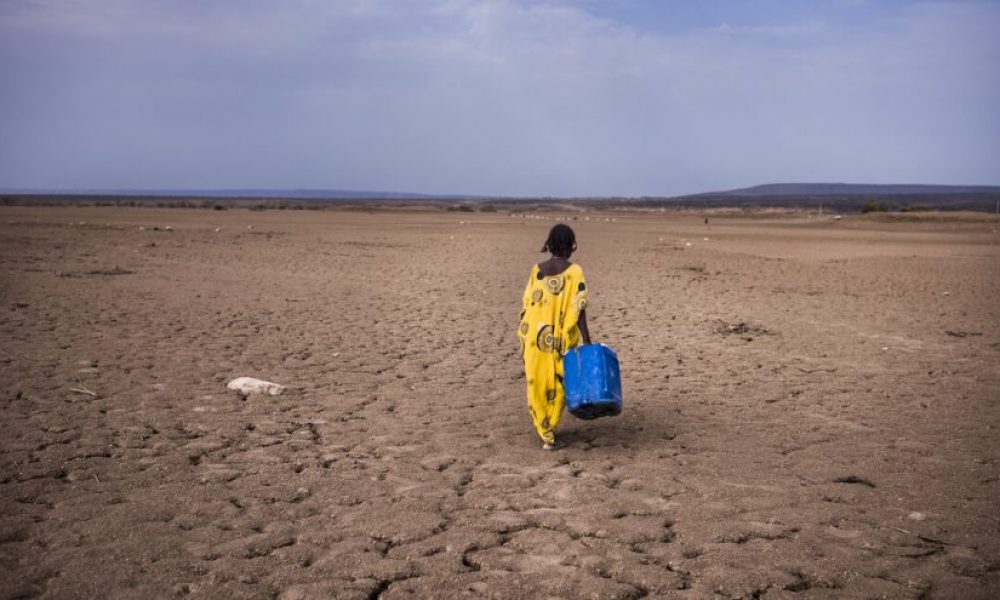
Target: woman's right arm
{"points": [[582, 324]]}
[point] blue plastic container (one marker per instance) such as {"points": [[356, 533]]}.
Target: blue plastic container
{"points": [[592, 381]]}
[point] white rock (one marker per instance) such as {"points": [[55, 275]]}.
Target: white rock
{"points": [[916, 516], [248, 385]]}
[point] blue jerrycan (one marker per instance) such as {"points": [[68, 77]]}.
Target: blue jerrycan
{"points": [[592, 382]]}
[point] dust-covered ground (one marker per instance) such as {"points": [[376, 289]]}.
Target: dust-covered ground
{"points": [[811, 408]]}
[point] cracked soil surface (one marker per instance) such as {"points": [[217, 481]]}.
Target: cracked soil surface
{"points": [[811, 408]]}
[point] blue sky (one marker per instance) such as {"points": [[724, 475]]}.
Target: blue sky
{"points": [[507, 97]]}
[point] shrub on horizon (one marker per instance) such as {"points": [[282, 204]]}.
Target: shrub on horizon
{"points": [[875, 206]]}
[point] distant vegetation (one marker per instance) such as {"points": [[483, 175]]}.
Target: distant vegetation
{"points": [[833, 198], [855, 189], [883, 206]]}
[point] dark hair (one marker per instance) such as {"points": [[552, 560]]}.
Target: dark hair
{"points": [[561, 241]]}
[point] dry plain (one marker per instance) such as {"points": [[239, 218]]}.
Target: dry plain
{"points": [[811, 408]]}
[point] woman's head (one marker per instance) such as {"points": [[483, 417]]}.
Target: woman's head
{"points": [[561, 241]]}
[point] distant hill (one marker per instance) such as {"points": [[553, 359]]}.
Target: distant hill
{"points": [[849, 197], [808, 190]]}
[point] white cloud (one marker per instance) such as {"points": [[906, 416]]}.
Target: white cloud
{"points": [[487, 96], [811, 27]]}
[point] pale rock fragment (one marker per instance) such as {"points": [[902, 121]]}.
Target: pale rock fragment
{"points": [[249, 385]]}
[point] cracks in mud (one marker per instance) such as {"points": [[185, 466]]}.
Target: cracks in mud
{"points": [[383, 585], [803, 582], [314, 435], [743, 537], [266, 547], [384, 545], [379, 589], [855, 479], [468, 562], [462, 483]]}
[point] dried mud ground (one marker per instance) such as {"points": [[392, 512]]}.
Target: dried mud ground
{"points": [[811, 408]]}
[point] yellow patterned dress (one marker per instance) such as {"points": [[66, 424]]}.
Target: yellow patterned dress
{"points": [[550, 312]]}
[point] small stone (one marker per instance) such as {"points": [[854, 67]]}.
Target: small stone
{"points": [[916, 516], [249, 385]]}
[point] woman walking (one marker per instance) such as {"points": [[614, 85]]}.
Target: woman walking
{"points": [[553, 320]]}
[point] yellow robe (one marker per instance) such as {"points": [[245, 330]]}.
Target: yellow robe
{"points": [[550, 312]]}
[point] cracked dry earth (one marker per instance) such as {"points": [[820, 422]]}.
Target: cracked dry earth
{"points": [[811, 408]]}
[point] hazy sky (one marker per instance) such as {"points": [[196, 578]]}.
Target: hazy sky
{"points": [[511, 97]]}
